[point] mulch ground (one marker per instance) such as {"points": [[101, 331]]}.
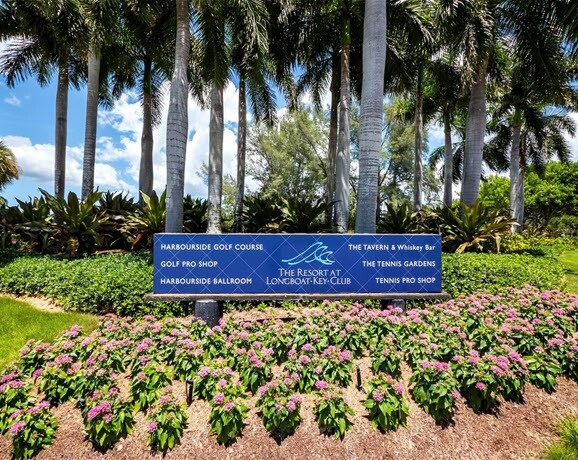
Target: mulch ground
{"points": [[515, 431]]}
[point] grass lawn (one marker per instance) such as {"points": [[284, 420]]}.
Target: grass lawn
{"points": [[566, 447], [20, 322], [569, 260]]}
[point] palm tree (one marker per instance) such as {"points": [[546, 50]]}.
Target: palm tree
{"points": [[535, 134], [255, 70], [150, 25], [371, 117], [319, 54], [104, 46], [46, 36], [246, 19], [8, 166], [177, 122], [534, 85], [411, 40], [478, 28]]}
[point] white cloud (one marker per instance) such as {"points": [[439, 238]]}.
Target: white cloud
{"points": [[36, 162], [118, 156], [126, 117], [13, 101]]}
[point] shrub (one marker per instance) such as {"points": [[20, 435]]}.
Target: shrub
{"points": [[227, 417], [331, 410], [280, 406], [107, 418], [474, 228], [32, 430], [166, 422], [435, 389], [468, 273], [384, 401], [99, 284]]}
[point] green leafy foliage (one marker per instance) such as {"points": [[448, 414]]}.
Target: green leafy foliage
{"points": [[303, 215], [107, 418], [195, 214], [14, 396], [147, 385], [227, 418], [398, 219], [261, 214], [32, 430], [472, 228], [468, 273], [280, 406], [331, 411], [102, 284], [385, 403], [166, 422], [148, 219], [435, 390], [76, 223]]}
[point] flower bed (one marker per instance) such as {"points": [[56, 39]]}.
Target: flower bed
{"points": [[482, 349]]}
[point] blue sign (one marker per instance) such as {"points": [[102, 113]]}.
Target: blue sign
{"points": [[301, 264]]}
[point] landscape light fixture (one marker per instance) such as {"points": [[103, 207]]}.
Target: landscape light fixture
{"points": [[189, 391]]}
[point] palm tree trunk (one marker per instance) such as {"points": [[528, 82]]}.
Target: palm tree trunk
{"points": [[371, 115], [215, 160], [448, 162], [91, 122], [342, 164], [332, 147], [145, 178], [516, 178], [475, 132], [418, 169], [61, 130], [178, 123], [241, 154]]}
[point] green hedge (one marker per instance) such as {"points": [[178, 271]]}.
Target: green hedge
{"points": [[97, 284], [468, 273], [118, 283]]}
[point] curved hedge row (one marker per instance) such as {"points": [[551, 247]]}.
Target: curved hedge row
{"points": [[118, 283], [97, 284]]}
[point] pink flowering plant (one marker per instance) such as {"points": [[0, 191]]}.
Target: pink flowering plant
{"points": [[15, 395], [479, 380], [227, 418], [166, 421], [189, 355], [336, 366], [60, 379], [280, 406], [306, 364], [147, 385], [254, 366], [94, 378], [387, 360], [351, 337], [210, 380], [385, 403], [32, 430], [305, 331], [107, 418], [33, 356], [331, 411], [435, 389]]}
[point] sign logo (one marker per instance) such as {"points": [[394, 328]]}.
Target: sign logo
{"points": [[315, 253]]}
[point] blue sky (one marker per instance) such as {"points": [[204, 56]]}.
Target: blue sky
{"points": [[27, 127]]}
